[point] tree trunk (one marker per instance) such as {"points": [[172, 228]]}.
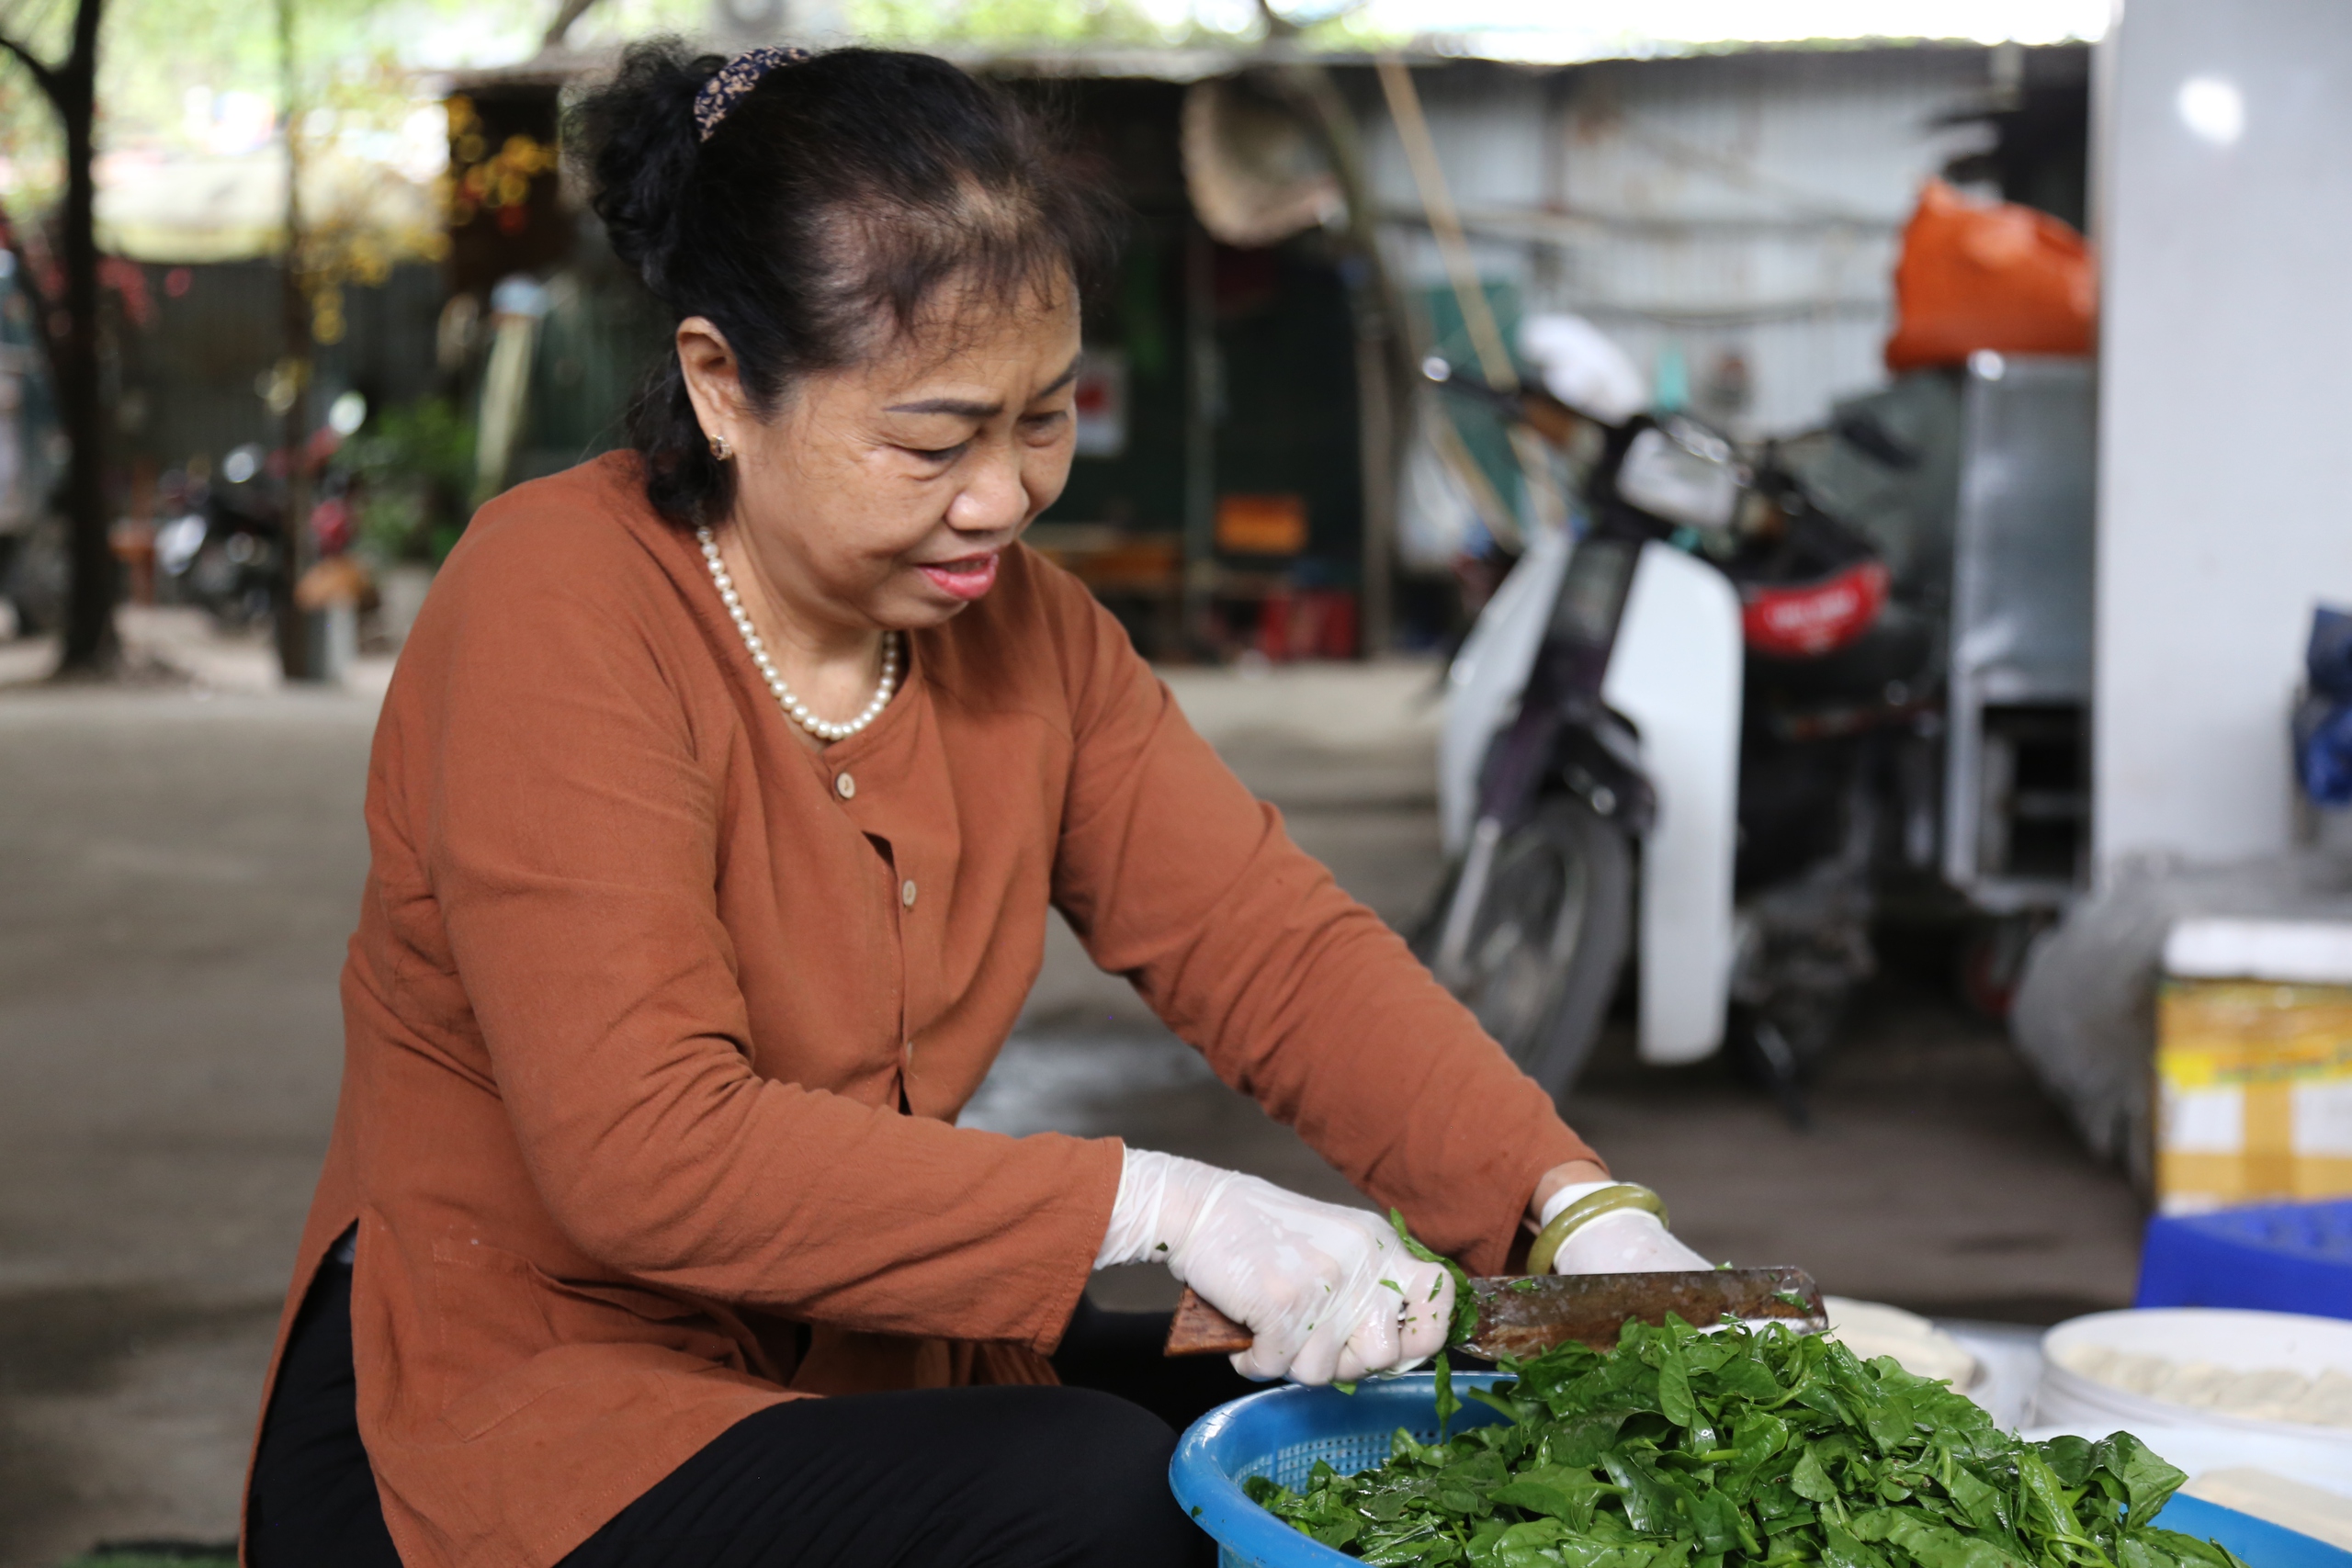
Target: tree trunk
{"points": [[91, 646], [294, 651]]}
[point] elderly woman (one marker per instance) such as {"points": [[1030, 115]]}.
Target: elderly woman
{"points": [[715, 810]]}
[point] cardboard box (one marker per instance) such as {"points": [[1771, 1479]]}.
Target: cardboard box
{"points": [[2253, 1092]]}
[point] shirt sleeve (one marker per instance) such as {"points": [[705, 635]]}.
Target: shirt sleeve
{"points": [[1174, 875], [572, 842]]}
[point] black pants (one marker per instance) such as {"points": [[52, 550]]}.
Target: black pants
{"points": [[955, 1478]]}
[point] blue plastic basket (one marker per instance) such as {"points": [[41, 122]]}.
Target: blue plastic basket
{"points": [[2270, 1256], [1280, 1433]]}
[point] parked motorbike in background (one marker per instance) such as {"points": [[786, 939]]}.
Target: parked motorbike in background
{"points": [[1683, 736], [222, 549]]}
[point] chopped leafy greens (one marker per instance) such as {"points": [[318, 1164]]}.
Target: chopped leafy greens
{"points": [[1466, 1305], [1448, 1401], [1740, 1449]]}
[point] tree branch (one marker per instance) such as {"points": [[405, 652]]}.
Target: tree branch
{"points": [[42, 72], [565, 13], [1278, 26]]}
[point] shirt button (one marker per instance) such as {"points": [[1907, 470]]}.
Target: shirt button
{"points": [[907, 893], [844, 785]]}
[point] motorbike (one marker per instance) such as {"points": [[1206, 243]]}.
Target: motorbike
{"points": [[1681, 737], [222, 552]]}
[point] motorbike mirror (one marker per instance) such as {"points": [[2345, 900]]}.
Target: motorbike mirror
{"points": [[243, 463], [1676, 481], [177, 543], [347, 412], [1697, 439]]}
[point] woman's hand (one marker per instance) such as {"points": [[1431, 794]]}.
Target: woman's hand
{"points": [[1328, 1294], [1576, 1173], [1623, 1241], [1616, 1241]]}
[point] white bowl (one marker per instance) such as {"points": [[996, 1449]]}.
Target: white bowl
{"points": [[1872, 1328], [2233, 1340]]}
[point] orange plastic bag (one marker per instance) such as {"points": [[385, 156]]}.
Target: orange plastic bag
{"points": [[1996, 275]]}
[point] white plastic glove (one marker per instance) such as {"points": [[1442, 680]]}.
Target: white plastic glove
{"points": [[1328, 1294], [1622, 1241]]}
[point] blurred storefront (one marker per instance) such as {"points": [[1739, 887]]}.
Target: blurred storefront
{"points": [[1241, 487], [1733, 220]]}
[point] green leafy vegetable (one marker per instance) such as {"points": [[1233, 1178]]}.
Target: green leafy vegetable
{"points": [[1739, 1448], [1466, 1305]]}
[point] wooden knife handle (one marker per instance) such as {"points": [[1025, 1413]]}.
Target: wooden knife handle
{"points": [[1199, 1329]]}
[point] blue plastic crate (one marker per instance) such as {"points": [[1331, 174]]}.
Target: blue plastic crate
{"points": [[2258, 1542], [2272, 1257], [1280, 1433]]}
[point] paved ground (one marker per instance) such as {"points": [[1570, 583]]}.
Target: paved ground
{"points": [[179, 878], [177, 871]]}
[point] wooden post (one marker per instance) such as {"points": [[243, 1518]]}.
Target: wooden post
{"points": [[1376, 438], [1202, 395], [1445, 224], [1386, 364], [1546, 506]]}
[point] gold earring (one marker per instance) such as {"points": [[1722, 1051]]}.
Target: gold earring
{"points": [[719, 449]]}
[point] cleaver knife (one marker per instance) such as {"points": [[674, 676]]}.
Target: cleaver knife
{"points": [[1523, 1315]]}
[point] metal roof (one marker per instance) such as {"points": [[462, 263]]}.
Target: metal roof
{"points": [[1194, 62]]}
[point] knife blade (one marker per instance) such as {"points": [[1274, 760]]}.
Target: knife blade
{"points": [[1523, 1315]]}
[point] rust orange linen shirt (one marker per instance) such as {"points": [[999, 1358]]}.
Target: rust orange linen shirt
{"points": [[658, 1021]]}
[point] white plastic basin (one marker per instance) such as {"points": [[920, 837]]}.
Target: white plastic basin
{"points": [[2235, 1341]]}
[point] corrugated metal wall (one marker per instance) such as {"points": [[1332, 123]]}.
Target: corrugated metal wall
{"points": [[188, 380], [1732, 220]]}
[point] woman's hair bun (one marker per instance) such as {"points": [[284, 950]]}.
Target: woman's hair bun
{"points": [[635, 137], [835, 198]]}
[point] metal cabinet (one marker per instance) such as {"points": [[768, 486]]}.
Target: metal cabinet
{"points": [[2016, 794]]}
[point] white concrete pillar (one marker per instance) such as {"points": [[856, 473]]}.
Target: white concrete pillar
{"points": [[2224, 224]]}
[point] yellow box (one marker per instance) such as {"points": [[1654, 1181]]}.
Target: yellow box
{"points": [[2254, 1093]]}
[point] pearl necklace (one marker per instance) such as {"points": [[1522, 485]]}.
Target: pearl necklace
{"points": [[822, 730]]}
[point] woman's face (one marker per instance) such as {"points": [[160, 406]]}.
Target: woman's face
{"points": [[881, 495]]}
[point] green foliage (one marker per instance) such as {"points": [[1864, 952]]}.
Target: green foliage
{"points": [[412, 469], [1679, 1448], [1103, 24], [363, 66], [1053, 22]]}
